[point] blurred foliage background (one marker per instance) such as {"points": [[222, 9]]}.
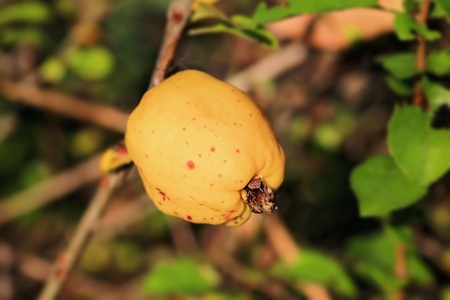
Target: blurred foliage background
{"points": [[71, 71]]}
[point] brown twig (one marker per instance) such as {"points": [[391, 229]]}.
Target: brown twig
{"points": [[49, 190], [421, 62], [66, 260], [66, 105], [177, 17]]}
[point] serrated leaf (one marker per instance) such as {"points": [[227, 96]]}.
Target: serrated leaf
{"points": [[445, 5], [259, 35], [436, 94], [399, 87], [206, 11], [264, 15], [320, 268], [381, 187], [401, 65], [438, 62], [180, 276], [406, 28], [24, 12], [374, 258], [421, 151]]}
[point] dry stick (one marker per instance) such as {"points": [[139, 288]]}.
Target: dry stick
{"points": [[66, 105], [49, 190], [421, 62], [286, 248], [67, 259]]}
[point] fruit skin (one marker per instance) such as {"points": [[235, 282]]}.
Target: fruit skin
{"points": [[197, 142]]}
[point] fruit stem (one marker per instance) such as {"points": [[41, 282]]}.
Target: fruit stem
{"points": [[259, 196]]}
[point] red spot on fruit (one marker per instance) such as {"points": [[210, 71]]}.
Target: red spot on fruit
{"points": [[233, 90], [237, 151], [189, 217], [193, 119], [220, 175], [250, 115], [146, 156], [225, 161], [184, 128], [162, 194], [159, 203], [199, 155], [211, 184], [213, 149], [191, 165]]}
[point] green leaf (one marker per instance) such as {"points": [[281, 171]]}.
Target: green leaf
{"points": [[180, 276], [206, 11], [400, 65], [374, 258], [436, 94], [24, 12], [264, 15], [320, 268], [399, 87], [22, 36], [406, 28], [438, 63], [382, 187], [94, 63], [421, 151], [53, 70], [259, 35], [445, 5]]}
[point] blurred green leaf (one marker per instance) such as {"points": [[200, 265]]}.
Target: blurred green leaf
{"points": [[127, 256], [180, 276], [438, 62], [22, 36], [25, 12], [53, 70], [436, 94], [381, 187], [399, 87], [445, 6], [206, 11], [256, 34], [401, 65], [264, 15], [320, 268], [406, 28], [418, 149], [374, 258], [93, 63], [86, 141]]}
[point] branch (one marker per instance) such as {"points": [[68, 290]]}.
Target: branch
{"points": [[57, 102], [178, 13], [421, 58], [49, 190]]}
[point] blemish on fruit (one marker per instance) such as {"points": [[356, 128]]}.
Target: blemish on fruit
{"points": [[225, 161], [191, 165], [237, 151], [193, 119], [146, 156], [199, 155], [213, 149], [184, 128], [220, 175], [162, 194], [211, 184], [250, 115], [189, 217]]}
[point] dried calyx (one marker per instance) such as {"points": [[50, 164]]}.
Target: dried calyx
{"points": [[259, 196]]}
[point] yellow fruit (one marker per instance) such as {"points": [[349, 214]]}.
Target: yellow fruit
{"points": [[197, 143]]}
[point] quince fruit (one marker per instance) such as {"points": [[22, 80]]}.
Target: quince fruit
{"points": [[204, 150]]}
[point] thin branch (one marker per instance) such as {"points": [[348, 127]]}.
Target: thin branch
{"points": [[179, 12], [421, 53], [49, 190], [177, 17], [66, 105]]}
